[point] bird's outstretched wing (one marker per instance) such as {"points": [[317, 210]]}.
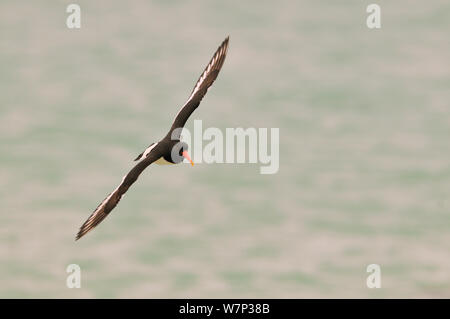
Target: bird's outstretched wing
{"points": [[201, 87], [112, 199]]}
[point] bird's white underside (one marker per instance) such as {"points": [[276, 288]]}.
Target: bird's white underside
{"points": [[162, 161]]}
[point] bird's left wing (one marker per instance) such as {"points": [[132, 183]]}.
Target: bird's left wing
{"points": [[108, 204], [206, 79]]}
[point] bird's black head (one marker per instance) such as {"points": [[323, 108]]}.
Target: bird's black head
{"points": [[183, 147], [179, 153]]}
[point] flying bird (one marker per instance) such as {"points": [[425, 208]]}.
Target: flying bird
{"points": [[169, 150]]}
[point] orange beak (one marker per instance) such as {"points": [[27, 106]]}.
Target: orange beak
{"points": [[186, 156]]}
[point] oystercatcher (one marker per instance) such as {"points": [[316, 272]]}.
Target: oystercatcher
{"points": [[169, 150]]}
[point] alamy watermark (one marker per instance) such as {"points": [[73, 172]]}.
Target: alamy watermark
{"points": [[74, 279], [373, 21], [73, 20], [374, 279], [236, 145]]}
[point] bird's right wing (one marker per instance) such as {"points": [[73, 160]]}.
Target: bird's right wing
{"points": [[107, 205]]}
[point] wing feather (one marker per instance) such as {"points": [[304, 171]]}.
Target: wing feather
{"points": [[205, 80], [108, 204]]}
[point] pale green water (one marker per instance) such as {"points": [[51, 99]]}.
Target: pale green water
{"points": [[364, 125]]}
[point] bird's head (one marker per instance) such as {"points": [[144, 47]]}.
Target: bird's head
{"points": [[180, 152]]}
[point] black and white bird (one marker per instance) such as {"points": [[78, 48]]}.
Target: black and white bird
{"points": [[169, 150]]}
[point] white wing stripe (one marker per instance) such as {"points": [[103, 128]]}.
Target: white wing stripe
{"points": [[205, 73], [148, 150], [104, 203]]}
